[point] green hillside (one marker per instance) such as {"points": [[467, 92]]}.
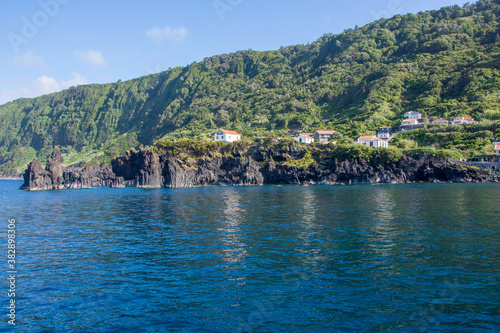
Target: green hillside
{"points": [[442, 63]]}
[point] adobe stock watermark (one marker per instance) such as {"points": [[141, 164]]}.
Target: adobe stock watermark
{"points": [[394, 7], [12, 272], [153, 70], [224, 6], [32, 25]]}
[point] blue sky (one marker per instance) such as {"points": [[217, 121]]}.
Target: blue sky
{"points": [[50, 45]]}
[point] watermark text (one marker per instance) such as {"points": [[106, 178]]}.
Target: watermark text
{"points": [[11, 272], [32, 25]]}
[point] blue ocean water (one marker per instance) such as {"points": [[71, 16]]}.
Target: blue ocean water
{"points": [[390, 258]]}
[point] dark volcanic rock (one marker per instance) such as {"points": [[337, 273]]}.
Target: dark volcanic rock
{"points": [[56, 176], [142, 167], [36, 178], [55, 169], [218, 171]]}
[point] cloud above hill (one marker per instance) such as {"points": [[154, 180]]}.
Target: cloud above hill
{"points": [[40, 86]]}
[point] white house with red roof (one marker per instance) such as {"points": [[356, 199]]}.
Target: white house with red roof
{"points": [[463, 120], [496, 147], [226, 136], [323, 136], [305, 138], [409, 122], [364, 138], [373, 141]]}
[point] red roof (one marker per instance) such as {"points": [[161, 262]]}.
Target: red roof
{"points": [[464, 118], [230, 132], [497, 147], [304, 134], [325, 132], [367, 137]]}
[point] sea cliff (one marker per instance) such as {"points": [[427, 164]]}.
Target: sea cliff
{"points": [[55, 176], [147, 168]]}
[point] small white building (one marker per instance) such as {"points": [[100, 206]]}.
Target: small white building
{"points": [[384, 133], [226, 136], [364, 138], [373, 142], [497, 147], [305, 138], [323, 136], [441, 122], [409, 122], [413, 115], [463, 120]]}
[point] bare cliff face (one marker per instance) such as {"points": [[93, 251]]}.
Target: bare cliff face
{"points": [[145, 169], [262, 167], [55, 176]]}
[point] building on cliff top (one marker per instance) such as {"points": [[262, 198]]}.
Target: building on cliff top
{"points": [[226, 136], [323, 136], [463, 120], [305, 138], [372, 141]]}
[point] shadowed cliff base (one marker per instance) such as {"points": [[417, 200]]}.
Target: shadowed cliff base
{"points": [[242, 165]]}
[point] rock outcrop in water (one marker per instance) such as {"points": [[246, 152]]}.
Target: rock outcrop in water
{"points": [[56, 176], [144, 168]]}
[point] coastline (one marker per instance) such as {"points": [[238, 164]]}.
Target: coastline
{"points": [[11, 178], [145, 169]]}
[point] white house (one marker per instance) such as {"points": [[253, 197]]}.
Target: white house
{"points": [[323, 136], [384, 133], [497, 147], [305, 138], [463, 120], [377, 143], [409, 122], [226, 136], [373, 142], [363, 139], [413, 115], [441, 122]]}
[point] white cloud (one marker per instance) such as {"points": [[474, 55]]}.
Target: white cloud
{"points": [[159, 35], [41, 86], [94, 58], [29, 60]]}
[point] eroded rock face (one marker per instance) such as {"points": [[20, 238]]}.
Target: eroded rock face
{"points": [[141, 167], [36, 178], [144, 168], [56, 176]]}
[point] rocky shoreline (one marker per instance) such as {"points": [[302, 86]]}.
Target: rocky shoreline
{"points": [[146, 169], [55, 176]]}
